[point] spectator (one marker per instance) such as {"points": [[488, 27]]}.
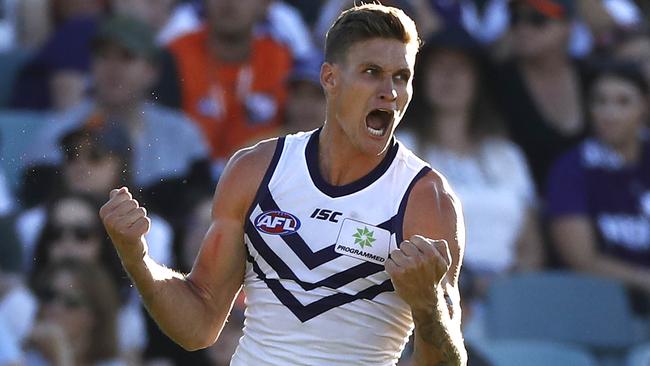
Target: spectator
{"points": [[77, 323], [239, 93], [17, 311], [94, 163], [167, 148], [599, 193], [56, 78], [168, 19], [306, 99], [72, 231], [541, 93], [455, 128]]}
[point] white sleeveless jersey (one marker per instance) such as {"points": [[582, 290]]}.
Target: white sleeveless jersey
{"points": [[316, 289]]}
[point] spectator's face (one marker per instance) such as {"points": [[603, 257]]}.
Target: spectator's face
{"points": [[618, 109], [235, 18], [637, 50], [74, 233], [368, 92], [121, 77], [305, 106], [74, 8], [64, 304], [88, 169], [153, 12], [536, 35], [450, 81]]}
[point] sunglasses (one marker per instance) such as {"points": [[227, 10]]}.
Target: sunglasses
{"points": [[78, 232], [49, 296], [535, 19]]}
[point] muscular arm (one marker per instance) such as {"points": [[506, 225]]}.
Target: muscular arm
{"points": [[433, 213], [191, 309], [575, 239]]}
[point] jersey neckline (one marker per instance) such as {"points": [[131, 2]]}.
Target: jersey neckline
{"points": [[311, 155]]}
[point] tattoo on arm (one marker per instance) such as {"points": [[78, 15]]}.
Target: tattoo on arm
{"points": [[434, 331]]}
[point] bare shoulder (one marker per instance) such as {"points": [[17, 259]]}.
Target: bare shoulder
{"points": [[434, 211], [243, 174]]}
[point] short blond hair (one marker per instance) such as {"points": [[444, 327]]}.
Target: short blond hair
{"points": [[368, 21]]}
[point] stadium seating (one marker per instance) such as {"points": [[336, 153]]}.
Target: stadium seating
{"points": [[639, 355], [17, 131], [563, 307], [535, 353]]}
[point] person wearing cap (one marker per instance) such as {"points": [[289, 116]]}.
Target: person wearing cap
{"points": [[166, 146], [305, 108], [540, 88]]}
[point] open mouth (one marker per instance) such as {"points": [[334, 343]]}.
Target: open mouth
{"points": [[378, 121]]}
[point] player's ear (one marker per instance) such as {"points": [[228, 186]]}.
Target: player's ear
{"points": [[328, 77]]}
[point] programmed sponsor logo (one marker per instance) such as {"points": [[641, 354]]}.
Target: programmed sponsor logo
{"points": [[363, 241], [277, 223]]}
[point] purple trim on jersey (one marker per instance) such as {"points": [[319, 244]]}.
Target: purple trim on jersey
{"points": [[318, 307], [267, 175], [295, 241], [311, 154], [282, 269]]}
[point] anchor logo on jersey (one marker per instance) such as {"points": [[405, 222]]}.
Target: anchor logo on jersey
{"points": [[277, 223]]}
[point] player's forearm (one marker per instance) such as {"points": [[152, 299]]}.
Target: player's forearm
{"points": [[180, 309], [438, 338]]}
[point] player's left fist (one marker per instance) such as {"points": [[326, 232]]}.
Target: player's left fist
{"points": [[417, 267]]}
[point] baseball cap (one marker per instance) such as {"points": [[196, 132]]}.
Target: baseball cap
{"points": [[105, 141], [454, 38], [128, 32], [556, 9]]}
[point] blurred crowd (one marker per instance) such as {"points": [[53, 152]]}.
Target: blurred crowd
{"points": [[536, 111]]}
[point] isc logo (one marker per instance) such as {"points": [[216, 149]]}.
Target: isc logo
{"points": [[277, 223]]}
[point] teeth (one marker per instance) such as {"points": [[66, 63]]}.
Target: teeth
{"points": [[375, 132]]}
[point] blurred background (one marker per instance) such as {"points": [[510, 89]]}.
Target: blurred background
{"points": [[536, 111]]}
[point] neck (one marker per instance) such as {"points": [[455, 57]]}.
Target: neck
{"points": [[631, 152], [449, 130], [340, 162], [231, 48]]}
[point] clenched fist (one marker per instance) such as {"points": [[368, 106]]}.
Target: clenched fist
{"points": [[417, 267], [126, 223]]}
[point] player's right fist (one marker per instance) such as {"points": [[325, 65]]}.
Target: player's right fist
{"points": [[126, 223]]}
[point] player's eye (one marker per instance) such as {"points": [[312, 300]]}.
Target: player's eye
{"points": [[402, 77], [371, 71]]}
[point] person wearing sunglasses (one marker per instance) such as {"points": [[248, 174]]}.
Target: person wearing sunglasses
{"points": [[540, 88], [72, 232], [77, 317]]}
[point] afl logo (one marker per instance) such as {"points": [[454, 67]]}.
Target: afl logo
{"points": [[277, 223]]}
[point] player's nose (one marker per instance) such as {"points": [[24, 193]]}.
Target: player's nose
{"points": [[387, 90]]}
